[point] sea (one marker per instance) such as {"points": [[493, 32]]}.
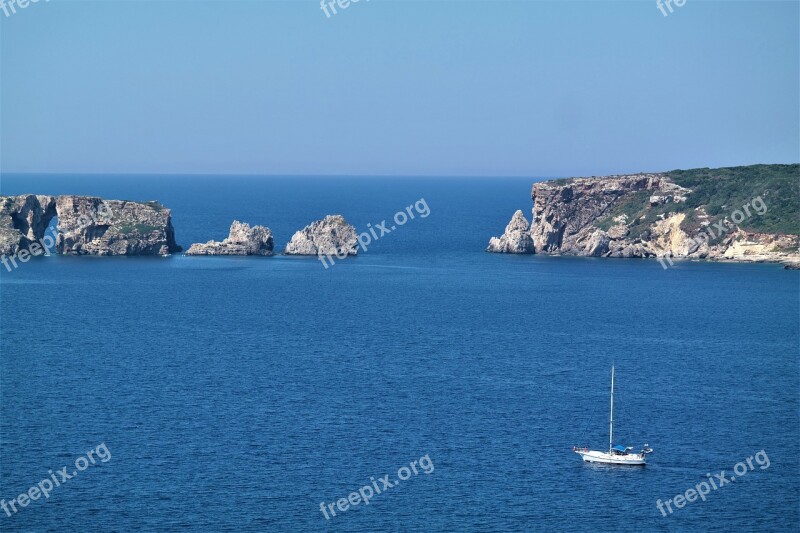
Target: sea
{"points": [[269, 393]]}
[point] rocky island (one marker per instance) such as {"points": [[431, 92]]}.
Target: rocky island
{"points": [[727, 214], [87, 225], [331, 236], [94, 226], [242, 240]]}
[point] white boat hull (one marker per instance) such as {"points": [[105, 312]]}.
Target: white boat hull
{"points": [[631, 459]]}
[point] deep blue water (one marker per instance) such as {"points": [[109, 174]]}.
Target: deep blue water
{"points": [[237, 394]]}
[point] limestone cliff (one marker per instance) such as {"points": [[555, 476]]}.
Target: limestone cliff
{"points": [[242, 240], [564, 214], [327, 237]]}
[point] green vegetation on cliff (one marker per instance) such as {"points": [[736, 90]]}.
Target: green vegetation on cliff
{"points": [[720, 192], [723, 190]]}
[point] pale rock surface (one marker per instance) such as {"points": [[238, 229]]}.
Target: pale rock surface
{"points": [[516, 239], [327, 237], [88, 225], [242, 239]]}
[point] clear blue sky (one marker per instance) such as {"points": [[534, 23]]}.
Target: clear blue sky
{"points": [[527, 88]]}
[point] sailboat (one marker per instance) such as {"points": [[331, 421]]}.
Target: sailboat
{"points": [[616, 455]]}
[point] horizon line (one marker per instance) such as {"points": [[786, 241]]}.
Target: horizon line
{"points": [[358, 175], [257, 175]]}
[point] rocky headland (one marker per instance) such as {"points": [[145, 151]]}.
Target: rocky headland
{"points": [[327, 237], [87, 225], [728, 214], [242, 240]]}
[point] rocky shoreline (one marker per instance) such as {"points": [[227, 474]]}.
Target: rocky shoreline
{"points": [[640, 216], [701, 214]]}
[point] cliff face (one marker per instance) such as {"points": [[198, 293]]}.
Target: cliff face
{"points": [[93, 226], [650, 215], [24, 220], [643, 216], [242, 240], [564, 214]]}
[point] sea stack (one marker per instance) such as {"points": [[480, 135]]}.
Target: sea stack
{"points": [[516, 239], [242, 240], [327, 237]]}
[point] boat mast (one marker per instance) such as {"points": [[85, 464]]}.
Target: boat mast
{"points": [[611, 419]]}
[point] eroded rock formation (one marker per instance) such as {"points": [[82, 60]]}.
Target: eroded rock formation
{"points": [[94, 226], [242, 240], [516, 239], [86, 225], [329, 236], [24, 220]]}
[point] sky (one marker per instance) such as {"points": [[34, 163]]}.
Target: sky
{"points": [[439, 88]]}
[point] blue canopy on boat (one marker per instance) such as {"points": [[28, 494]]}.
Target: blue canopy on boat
{"points": [[619, 448]]}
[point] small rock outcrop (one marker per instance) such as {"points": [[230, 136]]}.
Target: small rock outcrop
{"points": [[329, 236], [243, 239], [24, 220], [88, 225], [516, 239]]}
